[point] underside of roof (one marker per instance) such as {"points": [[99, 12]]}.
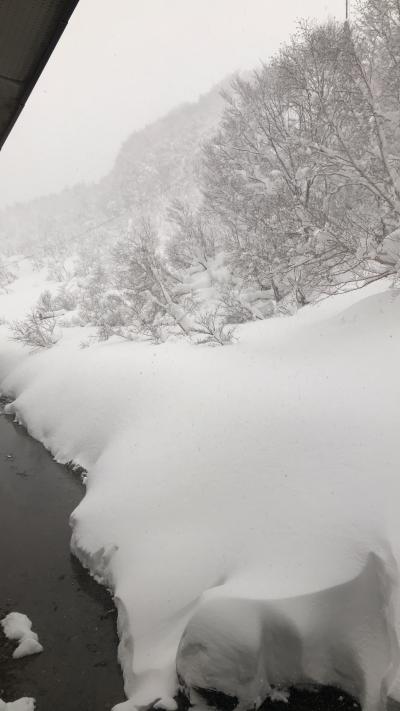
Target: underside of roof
{"points": [[29, 31]]}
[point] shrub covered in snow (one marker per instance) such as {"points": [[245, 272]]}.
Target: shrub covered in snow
{"points": [[38, 328]]}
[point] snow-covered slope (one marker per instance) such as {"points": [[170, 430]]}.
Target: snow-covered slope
{"points": [[262, 471], [155, 165]]}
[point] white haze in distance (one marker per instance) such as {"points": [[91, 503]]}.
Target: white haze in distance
{"points": [[123, 64]]}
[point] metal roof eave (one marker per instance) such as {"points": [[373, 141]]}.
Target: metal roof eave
{"points": [[29, 32]]}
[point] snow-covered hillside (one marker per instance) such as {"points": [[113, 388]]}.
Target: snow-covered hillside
{"points": [[153, 167], [233, 476]]}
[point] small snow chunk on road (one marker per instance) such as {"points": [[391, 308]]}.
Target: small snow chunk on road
{"points": [[24, 704], [27, 646], [17, 626]]}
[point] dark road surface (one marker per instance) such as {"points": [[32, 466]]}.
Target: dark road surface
{"points": [[73, 615]]}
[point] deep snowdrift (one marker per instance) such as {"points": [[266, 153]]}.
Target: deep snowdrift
{"points": [[257, 472], [343, 636]]}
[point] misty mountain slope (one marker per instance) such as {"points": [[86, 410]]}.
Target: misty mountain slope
{"points": [[159, 163], [154, 166]]}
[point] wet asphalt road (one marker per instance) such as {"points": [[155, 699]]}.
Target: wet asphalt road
{"points": [[73, 615]]}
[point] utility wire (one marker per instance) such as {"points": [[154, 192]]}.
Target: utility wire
{"points": [[100, 224]]}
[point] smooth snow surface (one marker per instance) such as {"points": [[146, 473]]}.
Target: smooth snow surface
{"points": [[255, 477], [17, 626], [23, 704]]}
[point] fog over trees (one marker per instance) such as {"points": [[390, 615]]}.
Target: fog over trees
{"points": [[273, 191]]}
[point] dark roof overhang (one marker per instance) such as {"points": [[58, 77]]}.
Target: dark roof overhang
{"points": [[29, 31]]}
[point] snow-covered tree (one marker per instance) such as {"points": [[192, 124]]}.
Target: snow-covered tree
{"points": [[38, 328], [141, 298], [303, 172]]}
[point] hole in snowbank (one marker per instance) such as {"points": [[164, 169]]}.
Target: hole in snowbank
{"points": [[315, 698], [217, 699], [323, 698]]}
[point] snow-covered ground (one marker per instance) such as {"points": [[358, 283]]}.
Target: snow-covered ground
{"points": [[227, 478]]}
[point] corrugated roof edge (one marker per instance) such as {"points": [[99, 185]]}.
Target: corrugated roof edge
{"points": [[68, 8]]}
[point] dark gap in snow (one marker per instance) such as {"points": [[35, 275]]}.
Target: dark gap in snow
{"points": [[315, 698], [76, 468], [323, 698], [217, 699], [4, 400]]}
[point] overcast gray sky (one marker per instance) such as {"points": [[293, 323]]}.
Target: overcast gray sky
{"points": [[123, 63]]}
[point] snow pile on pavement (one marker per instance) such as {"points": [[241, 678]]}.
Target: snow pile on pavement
{"points": [[235, 479], [17, 626], [24, 704]]}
